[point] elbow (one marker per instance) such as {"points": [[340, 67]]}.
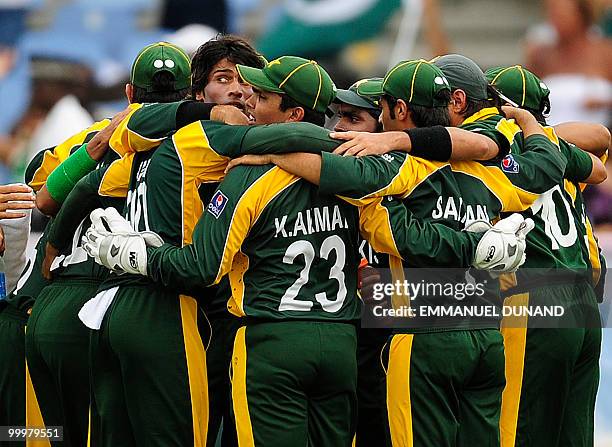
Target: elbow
{"points": [[489, 151], [599, 174], [484, 149], [603, 140]]}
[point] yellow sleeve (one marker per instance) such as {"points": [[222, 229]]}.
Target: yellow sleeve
{"points": [[54, 157]]}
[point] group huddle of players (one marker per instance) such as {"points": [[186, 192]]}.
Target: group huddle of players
{"points": [[202, 276]]}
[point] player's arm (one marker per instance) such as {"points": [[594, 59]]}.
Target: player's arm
{"points": [[354, 177], [582, 167], [539, 167], [148, 125], [591, 137], [81, 200], [51, 158], [437, 143], [392, 229], [82, 161], [286, 137]]}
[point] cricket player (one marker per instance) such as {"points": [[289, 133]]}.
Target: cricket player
{"points": [[257, 231], [56, 341], [14, 311], [449, 371], [359, 112], [553, 373]]}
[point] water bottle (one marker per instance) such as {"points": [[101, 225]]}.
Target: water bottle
{"points": [[2, 278]]}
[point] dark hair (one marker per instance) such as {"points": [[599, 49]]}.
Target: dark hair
{"points": [[163, 90], [223, 46], [476, 105], [310, 116], [424, 116]]}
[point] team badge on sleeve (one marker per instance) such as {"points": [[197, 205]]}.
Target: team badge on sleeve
{"points": [[217, 204], [509, 164]]}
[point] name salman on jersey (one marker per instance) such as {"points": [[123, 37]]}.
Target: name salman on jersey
{"points": [[310, 221], [462, 213]]}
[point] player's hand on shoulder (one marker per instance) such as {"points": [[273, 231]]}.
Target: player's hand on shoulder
{"points": [[229, 115], [521, 116], [250, 160], [364, 143]]}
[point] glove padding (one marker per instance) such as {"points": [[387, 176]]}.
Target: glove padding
{"points": [[502, 248], [112, 243]]}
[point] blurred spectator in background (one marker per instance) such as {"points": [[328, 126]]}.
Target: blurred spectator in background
{"points": [[574, 59], [178, 13]]}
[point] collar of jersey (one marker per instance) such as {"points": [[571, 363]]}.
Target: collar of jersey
{"points": [[482, 114]]}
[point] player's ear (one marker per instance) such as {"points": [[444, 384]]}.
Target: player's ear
{"points": [[458, 101], [199, 96], [297, 114], [129, 92], [401, 110]]}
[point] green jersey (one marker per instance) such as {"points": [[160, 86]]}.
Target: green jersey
{"points": [[555, 242], [163, 191], [559, 246], [453, 194], [290, 253], [69, 226]]}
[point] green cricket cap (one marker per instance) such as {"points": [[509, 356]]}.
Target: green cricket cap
{"points": [[358, 94], [464, 74], [303, 80], [519, 85], [417, 82], [161, 56]]}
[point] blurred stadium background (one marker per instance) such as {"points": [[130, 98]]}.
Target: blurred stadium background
{"points": [[64, 64]]}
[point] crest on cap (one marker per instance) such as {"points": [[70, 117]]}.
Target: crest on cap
{"points": [[157, 57]]}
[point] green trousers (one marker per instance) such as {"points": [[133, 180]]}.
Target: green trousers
{"points": [[148, 370], [218, 361], [372, 425], [57, 349], [444, 389], [552, 374], [12, 367], [294, 384]]}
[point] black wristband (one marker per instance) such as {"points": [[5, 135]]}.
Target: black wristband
{"points": [[431, 143], [191, 111]]}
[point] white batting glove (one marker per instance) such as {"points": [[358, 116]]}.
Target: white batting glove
{"points": [[121, 249], [502, 248]]}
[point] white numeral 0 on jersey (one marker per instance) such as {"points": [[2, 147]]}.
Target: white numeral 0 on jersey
{"points": [[546, 204], [305, 248]]}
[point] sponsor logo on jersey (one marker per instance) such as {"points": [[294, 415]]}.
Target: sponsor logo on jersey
{"points": [[217, 204], [510, 165]]}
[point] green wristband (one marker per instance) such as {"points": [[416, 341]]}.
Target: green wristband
{"points": [[63, 178]]}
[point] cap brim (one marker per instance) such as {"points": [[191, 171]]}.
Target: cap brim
{"points": [[372, 88], [257, 78], [353, 99]]}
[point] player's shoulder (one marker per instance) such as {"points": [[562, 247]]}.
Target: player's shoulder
{"points": [[243, 176]]}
